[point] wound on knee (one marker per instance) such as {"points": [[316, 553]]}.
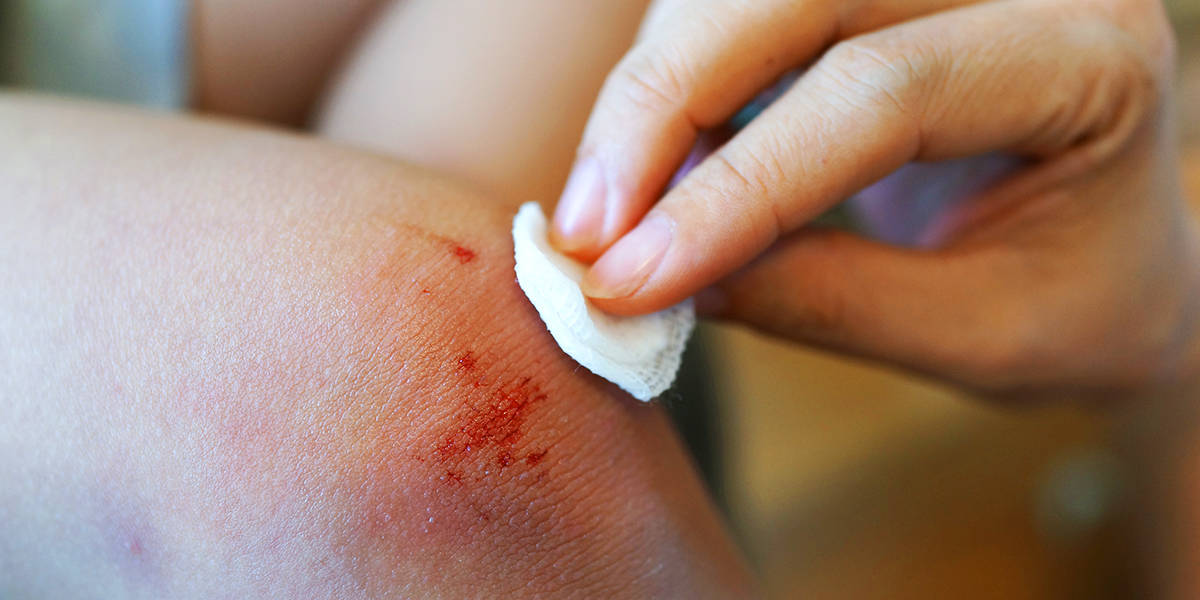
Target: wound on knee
{"points": [[491, 422]]}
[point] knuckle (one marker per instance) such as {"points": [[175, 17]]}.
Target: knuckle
{"points": [[820, 310], [992, 341], [752, 172], [1134, 87], [819, 315], [1106, 100], [1003, 361], [999, 365], [1137, 64], [870, 71], [653, 79], [825, 316], [1145, 27], [756, 176]]}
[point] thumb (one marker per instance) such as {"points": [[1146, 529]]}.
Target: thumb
{"points": [[933, 312]]}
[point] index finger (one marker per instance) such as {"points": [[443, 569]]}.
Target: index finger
{"points": [[695, 66]]}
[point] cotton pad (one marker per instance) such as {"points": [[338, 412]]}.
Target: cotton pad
{"points": [[641, 354]]}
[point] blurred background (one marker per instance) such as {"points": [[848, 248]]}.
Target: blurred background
{"points": [[841, 479]]}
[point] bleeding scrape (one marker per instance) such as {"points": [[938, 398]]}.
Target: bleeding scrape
{"points": [[491, 423], [465, 464], [467, 362], [461, 252]]}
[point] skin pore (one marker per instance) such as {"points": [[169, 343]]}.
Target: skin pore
{"points": [[242, 363]]}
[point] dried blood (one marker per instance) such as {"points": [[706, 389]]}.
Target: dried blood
{"points": [[492, 420], [463, 254]]}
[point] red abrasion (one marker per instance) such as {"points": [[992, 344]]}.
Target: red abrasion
{"points": [[454, 476], [463, 254], [466, 362], [495, 421], [533, 458]]}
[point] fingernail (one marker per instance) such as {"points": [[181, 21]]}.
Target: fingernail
{"points": [[711, 301], [579, 218], [628, 263]]}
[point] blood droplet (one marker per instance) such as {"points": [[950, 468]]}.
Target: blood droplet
{"points": [[466, 362], [463, 254], [533, 458], [459, 251]]}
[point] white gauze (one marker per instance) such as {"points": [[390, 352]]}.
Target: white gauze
{"points": [[640, 354]]}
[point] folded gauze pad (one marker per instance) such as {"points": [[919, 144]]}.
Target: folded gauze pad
{"points": [[640, 354]]}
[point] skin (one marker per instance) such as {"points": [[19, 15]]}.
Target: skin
{"points": [[316, 428], [504, 111], [1070, 218], [227, 351], [270, 60]]}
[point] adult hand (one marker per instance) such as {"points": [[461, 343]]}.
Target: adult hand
{"points": [[1077, 269]]}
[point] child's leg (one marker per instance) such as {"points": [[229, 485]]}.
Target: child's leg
{"points": [[492, 92], [241, 364], [269, 59]]}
